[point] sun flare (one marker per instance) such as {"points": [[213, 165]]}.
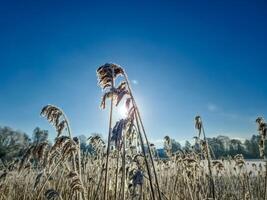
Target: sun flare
{"points": [[123, 111]]}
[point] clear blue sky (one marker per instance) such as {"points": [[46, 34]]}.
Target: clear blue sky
{"points": [[184, 58]]}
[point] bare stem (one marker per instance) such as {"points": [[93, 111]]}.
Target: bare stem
{"points": [[108, 147], [138, 116], [212, 187]]}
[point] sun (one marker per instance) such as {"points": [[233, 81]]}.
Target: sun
{"points": [[123, 111]]}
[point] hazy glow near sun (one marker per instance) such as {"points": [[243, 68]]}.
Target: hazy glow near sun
{"points": [[123, 111]]}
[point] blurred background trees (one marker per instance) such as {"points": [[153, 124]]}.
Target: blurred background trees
{"points": [[39, 136], [222, 146], [13, 144]]}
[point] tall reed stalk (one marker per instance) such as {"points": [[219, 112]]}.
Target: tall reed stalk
{"points": [[138, 116], [106, 184], [262, 128], [106, 75], [199, 126]]}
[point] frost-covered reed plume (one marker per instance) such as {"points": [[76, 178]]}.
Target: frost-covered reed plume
{"points": [[262, 128]]}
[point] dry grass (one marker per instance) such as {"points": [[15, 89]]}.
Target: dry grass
{"points": [[182, 176]]}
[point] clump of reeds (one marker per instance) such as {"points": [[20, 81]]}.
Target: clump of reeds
{"points": [[125, 128], [65, 147]]}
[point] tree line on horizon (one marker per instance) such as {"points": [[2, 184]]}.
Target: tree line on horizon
{"points": [[14, 143], [222, 147]]}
